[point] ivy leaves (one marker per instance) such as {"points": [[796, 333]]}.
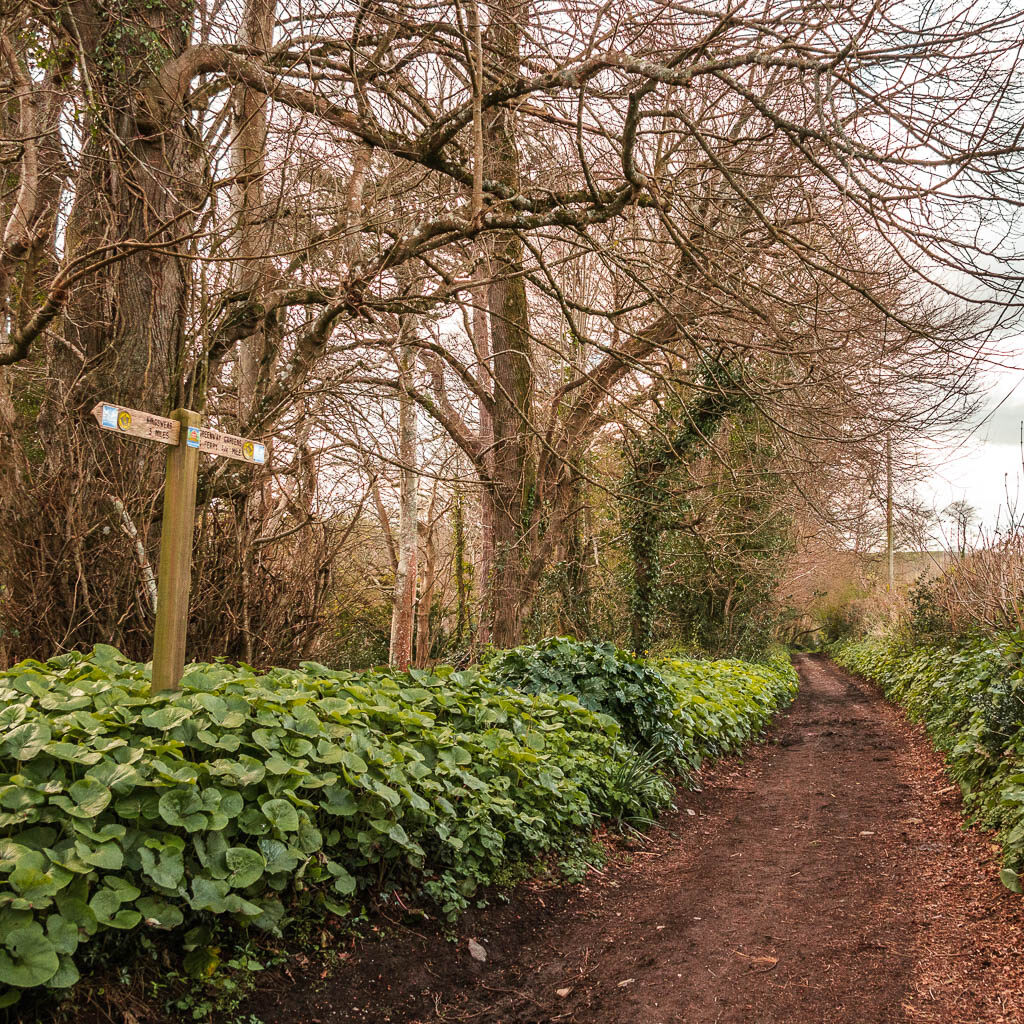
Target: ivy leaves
{"points": [[676, 710]]}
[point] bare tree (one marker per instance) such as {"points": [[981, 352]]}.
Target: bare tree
{"points": [[236, 205]]}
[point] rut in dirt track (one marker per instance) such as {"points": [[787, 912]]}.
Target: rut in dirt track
{"points": [[826, 879]]}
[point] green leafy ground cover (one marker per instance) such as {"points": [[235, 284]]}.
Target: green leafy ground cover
{"points": [[680, 710], [969, 694], [247, 796]]}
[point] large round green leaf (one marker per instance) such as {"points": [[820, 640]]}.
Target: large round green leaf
{"points": [[296, 746], [62, 933], [24, 741], [159, 913], [343, 881], [90, 797], [27, 958], [339, 800], [66, 976], [1011, 880], [37, 879], [182, 806], [12, 715], [282, 815], [278, 857], [231, 803], [245, 866], [76, 911], [353, 762], [209, 894], [166, 718]]}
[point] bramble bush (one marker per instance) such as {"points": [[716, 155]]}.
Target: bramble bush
{"points": [[969, 694], [246, 795]]}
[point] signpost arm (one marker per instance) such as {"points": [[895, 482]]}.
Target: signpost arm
{"points": [[175, 557]]}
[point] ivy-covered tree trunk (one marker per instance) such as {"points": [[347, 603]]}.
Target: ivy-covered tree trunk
{"points": [[138, 191], [645, 492], [574, 613], [643, 530], [460, 569]]}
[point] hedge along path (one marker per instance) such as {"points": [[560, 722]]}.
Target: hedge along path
{"points": [[826, 879], [969, 695], [250, 796]]}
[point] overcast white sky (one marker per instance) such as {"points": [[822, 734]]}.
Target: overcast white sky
{"points": [[986, 465]]}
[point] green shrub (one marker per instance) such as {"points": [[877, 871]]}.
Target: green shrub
{"points": [[678, 710], [969, 694], [245, 796], [927, 619], [603, 679]]}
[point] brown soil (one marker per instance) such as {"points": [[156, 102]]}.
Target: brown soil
{"points": [[826, 879]]}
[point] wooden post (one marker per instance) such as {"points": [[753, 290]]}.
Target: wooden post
{"points": [[175, 578]]}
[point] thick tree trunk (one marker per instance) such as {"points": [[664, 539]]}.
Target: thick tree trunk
{"points": [[123, 329], [121, 339], [512, 485]]}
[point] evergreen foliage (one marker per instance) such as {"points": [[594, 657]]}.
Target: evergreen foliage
{"points": [[969, 694]]}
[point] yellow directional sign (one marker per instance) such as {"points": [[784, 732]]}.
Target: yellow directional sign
{"points": [[217, 443], [137, 424]]}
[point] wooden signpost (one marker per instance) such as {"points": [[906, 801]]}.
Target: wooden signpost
{"points": [[137, 424], [186, 439]]}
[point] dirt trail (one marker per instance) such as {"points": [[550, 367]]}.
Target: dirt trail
{"points": [[826, 879]]}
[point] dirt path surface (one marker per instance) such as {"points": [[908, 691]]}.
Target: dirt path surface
{"points": [[825, 879]]}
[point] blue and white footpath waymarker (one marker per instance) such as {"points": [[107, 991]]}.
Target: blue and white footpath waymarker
{"points": [[109, 419], [254, 452]]}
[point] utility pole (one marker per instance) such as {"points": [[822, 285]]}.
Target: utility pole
{"points": [[888, 509]]}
